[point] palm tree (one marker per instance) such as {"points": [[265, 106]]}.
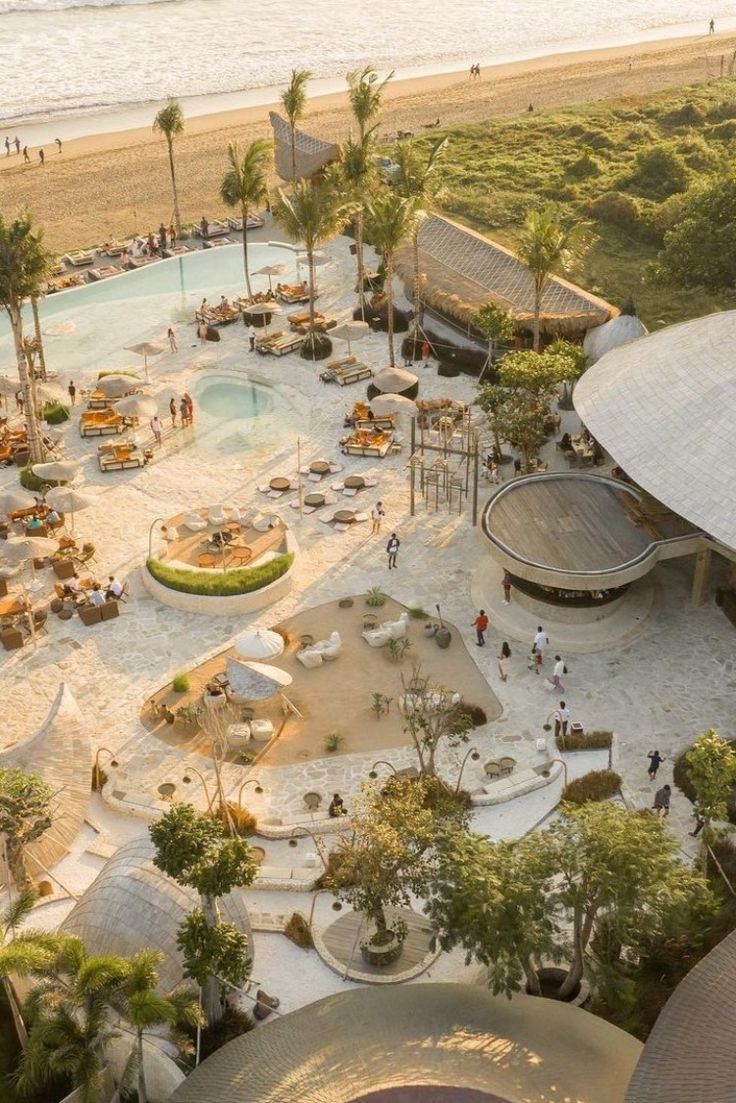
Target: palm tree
{"points": [[417, 180], [312, 214], [365, 92], [170, 122], [245, 184], [25, 263], [390, 218], [545, 245], [140, 1004], [294, 99]]}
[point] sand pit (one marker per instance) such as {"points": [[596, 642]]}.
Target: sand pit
{"points": [[336, 697]]}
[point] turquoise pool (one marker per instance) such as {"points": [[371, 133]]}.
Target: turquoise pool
{"points": [[237, 416]]}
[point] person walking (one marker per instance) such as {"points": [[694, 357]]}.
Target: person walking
{"points": [[41, 156], [184, 413], [162, 236], [503, 661], [480, 624], [156, 429], [712, 27], [541, 641], [506, 587], [392, 548], [58, 144], [172, 339], [252, 336], [561, 719], [172, 235], [662, 801], [7, 146], [172, 411], [72, 392], [557, 673], [377, 515], [26, 158], [655, 761]]}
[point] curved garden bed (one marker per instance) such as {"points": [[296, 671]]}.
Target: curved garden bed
{"points": [[216, 592]]}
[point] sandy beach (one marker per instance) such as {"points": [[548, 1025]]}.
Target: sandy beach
{"points": [[112, 185]]}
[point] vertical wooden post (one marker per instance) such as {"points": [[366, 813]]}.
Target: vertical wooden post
{"points": [[412, 499], [475, 480], [701, 577]]}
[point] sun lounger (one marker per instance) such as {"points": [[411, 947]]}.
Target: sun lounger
{"points": [[177, 251], [362, 444], [112, 248], [218, 316], [63, 283], [213, 244], [97, 423], [140, 262], [345, 376], [103, 272], [292, 294], [215, 228], [254, 222], [279, 346], [119, 457], [80, 258]]}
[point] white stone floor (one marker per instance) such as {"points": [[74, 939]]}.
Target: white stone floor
{"points": [[666, 678]]}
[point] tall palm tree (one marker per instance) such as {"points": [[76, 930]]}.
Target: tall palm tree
{"points": [[245, 184], [545, 244], [140, 1004], [170, 123], [365, 93], [390, 219], [313, 215], [25, 264], [417, 180], [294, 100]]}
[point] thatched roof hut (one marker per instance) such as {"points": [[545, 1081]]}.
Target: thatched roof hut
{"points": [[312, 154], [461, 271]]}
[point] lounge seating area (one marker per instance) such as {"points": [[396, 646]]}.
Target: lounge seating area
{"points": [[98, 423], [218, 537], [300, 322], [313, 655], [292, 293], [224, 314], [347, 371], [388, 630], [279, 343], [63, 283], [121, 455], [80, 258], [367, 442], [254, 222]]}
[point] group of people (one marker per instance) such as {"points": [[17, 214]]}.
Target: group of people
{"points": [[26, 155], [475, 71], [97, 594], [185, 411]]}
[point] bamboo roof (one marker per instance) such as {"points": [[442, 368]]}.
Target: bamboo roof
{"points": [[461, 271], [312, 154]]}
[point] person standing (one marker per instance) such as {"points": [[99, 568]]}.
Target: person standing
{"points": [[503, 661], [184, 412], [662, 801], [172, 235], [541, 641], [204, 228], [712, 27], [506, 586], [190, 406], [252, 336], [162, 236], [72, 392], [392, 548], [156, 429], [557, 673], [562, 719], [172, 339], [16, 143], [58, 144], [655, 761], [26, 158], [7, 146], [41, 156], [377, 515], [172, 411], [481, 627]]}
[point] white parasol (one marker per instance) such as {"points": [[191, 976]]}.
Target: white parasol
{"points": [[393, 404], [146, 349], [259, 644], [117, 384], [67, 500], [22, 549], [12, 500], [56, 471], [351, 331], [394, 380], [264, 311], [48, 393], [256, 681], [136, 405], [270, 270]]}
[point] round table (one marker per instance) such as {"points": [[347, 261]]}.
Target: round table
{"points": [[355, 482], [279, 484], [314, 500], [344, 516], [206, 560], [319, 467]]}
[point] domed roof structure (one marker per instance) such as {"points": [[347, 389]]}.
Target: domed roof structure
{"points": [[663, 408], [620, 330], [456, 1041], [133, 905]]}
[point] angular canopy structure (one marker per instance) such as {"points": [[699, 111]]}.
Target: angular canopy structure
{"points": [[312, 154], [620, 330]]}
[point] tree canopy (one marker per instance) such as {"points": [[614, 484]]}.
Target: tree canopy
{"points": [[700, 249], [25, 814], [711, 763]]}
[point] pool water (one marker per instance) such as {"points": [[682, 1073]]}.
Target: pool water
{"points": [[238, 417], [234, 401]]}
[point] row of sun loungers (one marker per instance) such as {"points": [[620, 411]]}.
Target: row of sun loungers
{"points": [[292, 293], [120, 456], [215, 228], [254, 222], [80, 258], [279, 343], [218, 315], [347, 371], [99, 423]]}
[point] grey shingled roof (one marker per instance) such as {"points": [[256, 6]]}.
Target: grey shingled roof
{"points": [[312, 154]]}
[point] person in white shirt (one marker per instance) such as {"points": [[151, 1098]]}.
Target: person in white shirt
{"points": [[541, 640], [156, 429], [96, 596], [557, 673], [73, 586], [562, 719], [377, 515], [114, 588]]}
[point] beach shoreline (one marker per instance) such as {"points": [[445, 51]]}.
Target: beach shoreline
{"points": [[116, 183]]}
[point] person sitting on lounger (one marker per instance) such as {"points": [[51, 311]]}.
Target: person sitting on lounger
{"points": [[337, 808], [52, 517], [225, 303], [349, 421], [305, 287]]}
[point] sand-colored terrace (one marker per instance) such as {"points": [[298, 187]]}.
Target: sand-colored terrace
{"points": [[224, 544], [335, 697]]}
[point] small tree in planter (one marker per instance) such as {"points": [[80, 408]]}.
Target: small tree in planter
{"points": [[432, 719], [711, 764]]}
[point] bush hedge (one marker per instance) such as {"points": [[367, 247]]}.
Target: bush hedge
{"points": [[597, 785], [220, 584], [54, 413], [31, 481], [584, 741], [681, 778]]}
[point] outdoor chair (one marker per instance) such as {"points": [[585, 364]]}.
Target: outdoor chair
{"points": [[194, 522], [63, 568], [109, 610], [11, 638], [90, 614]]}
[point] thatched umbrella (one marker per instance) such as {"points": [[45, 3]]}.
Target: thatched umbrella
{"points": [[351, 331], [259, 644], [393, 404], [117, 384], [397, 381], [270, 270], [25, 549], [67, 500], [261, 313], [145, 349], [56, 471], [256, 681], [137, 405], [15, 499]]}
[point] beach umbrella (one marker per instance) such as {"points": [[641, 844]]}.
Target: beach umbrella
{"points": [[264, 311], [393, 404], [259, 644], [318, 259], [146, 349], [136, 405], [24, 549], [117, 384], [256, 681], [67, 500], [270, 270], [56, 471], [12, 500], [394, 381], [350, 331], [48, 393]]}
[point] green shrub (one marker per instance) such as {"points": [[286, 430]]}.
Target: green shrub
{"points": [[686, 114], [180, 683], [583, 167], [55, 413], [616, 209], [242, 581], [584, 741], [333, 742], [375, 597], [597, 785], [31, 481], [417, 613], [724, 131], [658, 171], [474, 714], [297, 929], [681, 778]]}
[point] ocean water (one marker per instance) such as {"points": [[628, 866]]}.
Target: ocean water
{"points": [[66, 58]]}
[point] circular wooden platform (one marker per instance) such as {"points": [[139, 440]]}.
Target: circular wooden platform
{"points": [[339, 947]]}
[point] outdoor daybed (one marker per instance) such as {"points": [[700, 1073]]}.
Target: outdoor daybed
{"points": [[120, 455], [254, 222], [98, 423], [79, 258], [366, 443], [345, 376], [292, 293], [278, 344]]}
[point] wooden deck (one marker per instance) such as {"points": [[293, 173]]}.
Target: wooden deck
{"points": [[579, 525], [343, 937]]}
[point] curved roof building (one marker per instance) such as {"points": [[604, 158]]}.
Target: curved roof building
{"points": [[132, 904], [421, 1043], [663, 407]]}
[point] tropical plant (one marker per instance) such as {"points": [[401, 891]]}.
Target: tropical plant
{"points": [[170, 122], [495, 325], [432, 719], [700, 248], [595, 785], [25, 264], [245, 185], [180, 683], [544, 245], [195, 851], [25, 815], [711, 764], [417, 180], [334, 741], [375, 597], [358, 176], [516, 417], [312, 214], [293, 100], [390, 219], [365, 94]]}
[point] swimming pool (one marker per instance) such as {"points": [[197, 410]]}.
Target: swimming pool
{"points": [[237, 415]]}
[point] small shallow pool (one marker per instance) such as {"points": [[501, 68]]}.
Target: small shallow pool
{"points": [[234, 415]]}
